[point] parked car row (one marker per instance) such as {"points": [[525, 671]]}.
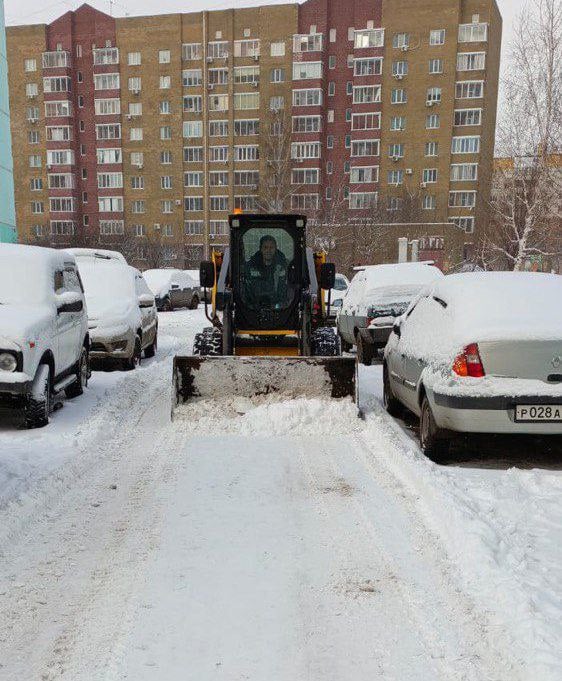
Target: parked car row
{"points": [[58, 311]]}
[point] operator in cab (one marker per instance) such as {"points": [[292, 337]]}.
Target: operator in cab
{"points": [[267, 274]]}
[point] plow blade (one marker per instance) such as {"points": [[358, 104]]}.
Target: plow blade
{"points": [[215, 377]]}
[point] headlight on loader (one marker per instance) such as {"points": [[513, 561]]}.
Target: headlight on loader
{"points": [[8, 362]]}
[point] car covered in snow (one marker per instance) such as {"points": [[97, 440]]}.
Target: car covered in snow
{"points": [[337, 294], [376, 296], [122, 316], [101, 253], [479, 353], [173, 288], [44, 340]]}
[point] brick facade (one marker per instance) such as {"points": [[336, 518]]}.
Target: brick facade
{"points": [[369, 90]]}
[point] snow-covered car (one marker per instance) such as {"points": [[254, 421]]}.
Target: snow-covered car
{"points": [[479, 353], [122, 315], [196, 276], [173, 288], [44, 341], [101, 253], [377, 294]]}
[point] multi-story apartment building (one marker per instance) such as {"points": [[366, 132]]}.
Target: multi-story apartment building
{"points": [[371, 113], [7, 207]]}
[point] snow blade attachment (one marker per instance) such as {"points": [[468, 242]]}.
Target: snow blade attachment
{"points": [[215, 377]]}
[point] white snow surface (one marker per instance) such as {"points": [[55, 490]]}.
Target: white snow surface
{"points": [[285, 540]]}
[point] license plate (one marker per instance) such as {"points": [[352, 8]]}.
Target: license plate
{"points": [[538, 413]]}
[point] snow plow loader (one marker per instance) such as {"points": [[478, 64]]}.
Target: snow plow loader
{"points": [[269, 331]]}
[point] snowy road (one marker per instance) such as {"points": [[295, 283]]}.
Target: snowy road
{"points": [[293, 542]]}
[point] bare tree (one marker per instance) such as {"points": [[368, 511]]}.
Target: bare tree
{"points": [[275, 187], [526, 221]]}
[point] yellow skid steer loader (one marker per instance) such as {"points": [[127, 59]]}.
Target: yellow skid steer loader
{"points": [[269, 332]]}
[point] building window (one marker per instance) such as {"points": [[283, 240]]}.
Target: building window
{"points": [[468, 117], [366, 121], [57, 85], [277, 49], [244, 128], [247, 178], [331, 88], [194, 103], [366, 94], [166, 132], [398, 123], [137, 182], [464, 172], [429, 202], [191, 51], [36, 184], [332, 61], [166, 182], [365, 148], [433, 95], [435, 66], [32, 114], [459, 199], [58, 109], [471, 61], [192, 129], [218, 203], [134, 58], [473, 33], [305, 150], [30, 65], [330, 142], [362, 200], [308, 43], [466, 145], [193, 227], [193, 154], [399, 96], [464, 222], [432, 121], [112, 227], [247, 48], [218, 178], [399, 68], [138, 206], [307, 123], [437, 37], [139, 230], [106, 107], [373, 37], [33, 137], [469, 89], [304, 201], [135, 84], [363, 174], [106, 81], [395, 177], [165, 82], [246, 100], [137, 159], [167, 206], [429, 175], [218, 128], [166, 157], [164, 56], [37, 207], [432, 148], [192, 77], [31, 89], [304, 70], [106, 55], [400, 40], [135, 134], [305, 176], [217, 49], [276, 103], [396, 150], [193, 179], [110, 180], [277, 75], [219, 76], [367, 67], [193, 203], [246, 152]]}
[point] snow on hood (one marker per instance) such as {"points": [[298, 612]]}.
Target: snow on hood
{"points": [[20, 323]]}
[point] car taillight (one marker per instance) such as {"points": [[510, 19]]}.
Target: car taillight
{"points": [[369, 320], [468, 362]]}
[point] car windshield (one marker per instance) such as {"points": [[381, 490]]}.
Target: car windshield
{"points": [[23, 283], [340, 284], [267, 256]]}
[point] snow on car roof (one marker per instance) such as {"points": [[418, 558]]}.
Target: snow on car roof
{"points": [[158, 280], [33, 254], [400, 273], [495, 304], [101, 253]]}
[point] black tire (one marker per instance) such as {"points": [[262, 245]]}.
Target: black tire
{"points": [[434, 441], [194, 302], [208, 343], [134, 360], [166, 305], [393, 406], [82, 375], [150, 351], [366, 350], [38, 407], [324, 342]]}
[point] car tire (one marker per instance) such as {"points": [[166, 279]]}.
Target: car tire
{"points": [[434, 441], [166, 305], [82, 374], [38, 407], [392, 405], [365, 348], [194, 302], [135, 359], [150, 351]]}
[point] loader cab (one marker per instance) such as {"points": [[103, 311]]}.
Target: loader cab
{"points": [[268, 270]]}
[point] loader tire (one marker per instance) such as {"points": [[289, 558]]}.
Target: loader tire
{"points": [[324, 342], [366, 350], [208, 343]]}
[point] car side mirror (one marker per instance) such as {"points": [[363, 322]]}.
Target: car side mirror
{"points": [[69, 302], [207, 274], [327, 276], [397, 328], [146, 300]]}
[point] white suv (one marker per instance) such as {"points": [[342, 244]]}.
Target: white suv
{"points": [[44, 342]]}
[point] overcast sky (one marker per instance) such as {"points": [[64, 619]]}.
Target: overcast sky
{"points": [[27, 11]]}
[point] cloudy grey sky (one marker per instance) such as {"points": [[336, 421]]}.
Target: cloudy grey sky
{"points": [[27, 11]]}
